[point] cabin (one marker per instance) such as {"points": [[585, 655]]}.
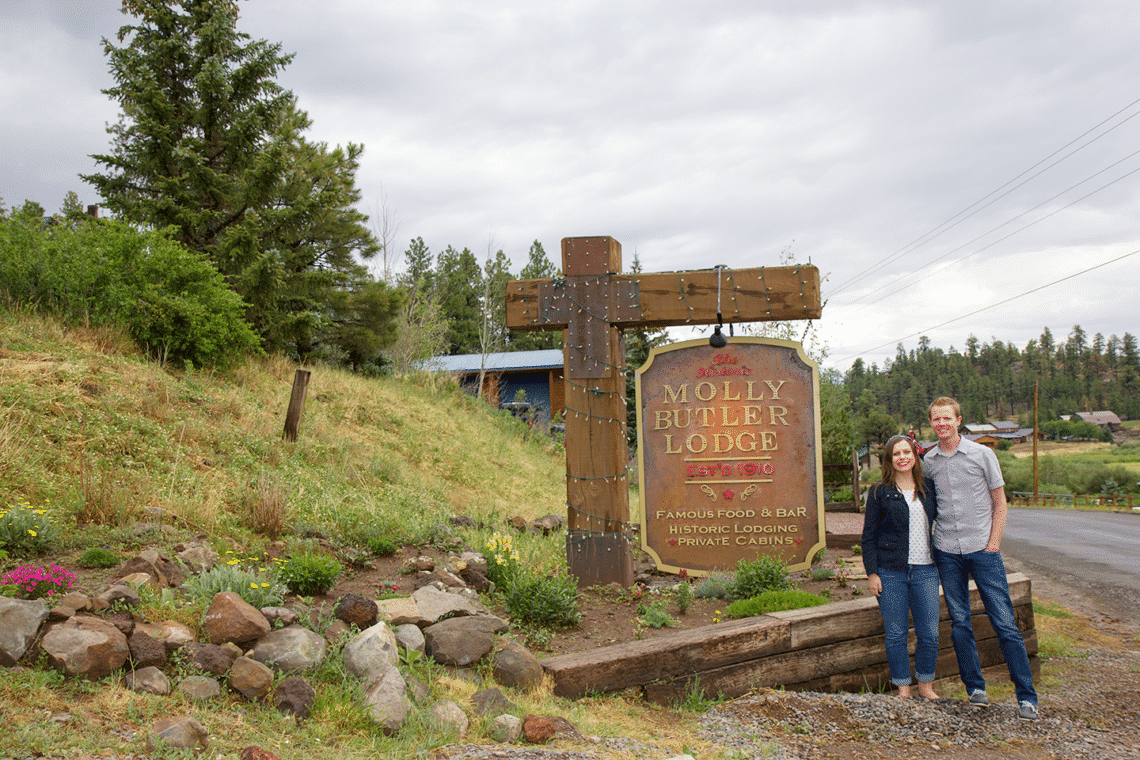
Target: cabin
{"points": [[534, 377]]}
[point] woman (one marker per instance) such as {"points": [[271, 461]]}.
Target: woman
{"points": [[900, 568]]}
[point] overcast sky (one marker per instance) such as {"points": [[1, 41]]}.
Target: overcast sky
{"points": [[933, 159]]}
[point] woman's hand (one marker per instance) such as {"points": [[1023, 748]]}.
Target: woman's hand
{"points": [[875, 584]]}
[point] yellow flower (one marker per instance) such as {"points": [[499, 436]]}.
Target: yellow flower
{"points": [[232, 562], [31, 532], [265, 585]]}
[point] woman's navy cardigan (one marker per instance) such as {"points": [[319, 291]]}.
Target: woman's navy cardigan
{"points": [[886, 526]]}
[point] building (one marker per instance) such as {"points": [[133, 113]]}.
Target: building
{"points": [[1106, 420], [537, 374]]}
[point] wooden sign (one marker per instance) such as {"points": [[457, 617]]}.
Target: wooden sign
{"points": [[730, 457]]}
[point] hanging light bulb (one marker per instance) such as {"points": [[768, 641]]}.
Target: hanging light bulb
{"points": [[717, 340]]}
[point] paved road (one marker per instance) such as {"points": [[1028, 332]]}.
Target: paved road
{"points": [[1094, 553]]}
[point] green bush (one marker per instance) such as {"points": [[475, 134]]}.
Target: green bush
{"points": [[655, 616], [309, 573], [257, 587], [27, 530], [754, 577], [98, 557], [773, 601], [175, 304], [713, 587], [543, 600]]}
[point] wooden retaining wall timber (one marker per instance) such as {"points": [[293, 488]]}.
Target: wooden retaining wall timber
{"points": [[834, 647]]}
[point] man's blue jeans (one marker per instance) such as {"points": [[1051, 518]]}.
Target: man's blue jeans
{"points": [[988, 572], [914, 590]]}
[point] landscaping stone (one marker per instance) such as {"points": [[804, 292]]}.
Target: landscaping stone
{"points": [[117, 593], [294, 696], [491, 702], [250, 678], [86, 647], [399, 611], [506, 729], [146, 651], [150, 680], [280, 615], [163, 571], [290, 650], [386, 698], [181, 732], [231, 618], [434, 604], [356, 610], [448, 718], [513, 665], [210, 658], [197, 558], [20, 621], [539, 729], [410, 637]]}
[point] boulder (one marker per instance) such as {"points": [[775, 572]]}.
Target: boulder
{"points": [[399, 611], [146, 650], [290, 650], [20, 621], [448, 718], [210, 658], [149, 680], [164, 571], [434, 604], [200, 688], [231, 618], [86, 647], [515, 666], [386, 698], [181, 732], [539, 729], [356, 610], [250, 678], [489, 703], [294, 696], [369, 649], [410, 637], [506, 729]]}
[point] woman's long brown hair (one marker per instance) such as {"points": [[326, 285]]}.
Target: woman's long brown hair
{"points": [[889, 465]]}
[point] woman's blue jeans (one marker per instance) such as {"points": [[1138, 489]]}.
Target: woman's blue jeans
{"points": [[988, 571], [914, 590]]}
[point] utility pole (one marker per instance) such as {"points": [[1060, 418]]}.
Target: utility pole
{"points": [[1035, 385]]}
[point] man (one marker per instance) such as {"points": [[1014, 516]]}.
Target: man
{"points": [[967, 543]]}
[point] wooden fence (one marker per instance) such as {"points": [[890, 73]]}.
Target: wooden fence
{"points": [[833, 647]]}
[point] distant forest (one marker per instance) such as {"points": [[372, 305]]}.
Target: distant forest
{"points": [[995, 381]]}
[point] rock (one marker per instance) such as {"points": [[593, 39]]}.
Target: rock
{"points": [[475, 580], [200, 688], [257, 753], [250, 678], [452, 642], [515, 666], [410, 637], [149, 680], [546, 525], [20, 621], [119, 593], [418, 691], [369, 649], [539, 729], [398, 611], [517, 522], [489, 703], [282, 615], [506, 729], [122, 620], [171, 633], [137, 581], [75, 600], [294, 696], [420, 564], [162, 570], [86, 647], [434, 604], [231, 618], [386, 698], [290, 650], [210, 658], [356, 610], [146, 651], [448, 718], [198, 558], [337, 630], [182, 732], [232, 650]]}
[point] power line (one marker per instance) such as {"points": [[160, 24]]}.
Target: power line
{"points": [[947, 224], [993, 305]]}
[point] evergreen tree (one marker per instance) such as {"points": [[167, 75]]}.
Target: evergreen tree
{"points": [[459, 286], [211, 144]]}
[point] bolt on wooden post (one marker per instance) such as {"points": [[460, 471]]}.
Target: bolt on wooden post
{"points": [[592, 302]]}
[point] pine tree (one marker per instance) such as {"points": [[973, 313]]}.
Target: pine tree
{"points": [[211, 144]]}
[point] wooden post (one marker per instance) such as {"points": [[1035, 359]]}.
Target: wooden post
{"points": [[296, 404], [593, 302]]}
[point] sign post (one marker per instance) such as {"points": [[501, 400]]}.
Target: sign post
{"points": [[592, 302], [730, 466]]}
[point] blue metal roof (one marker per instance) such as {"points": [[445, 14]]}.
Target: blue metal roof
{"points": [[511, 360]]}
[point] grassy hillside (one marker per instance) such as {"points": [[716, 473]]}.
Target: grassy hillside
{"points": [[103, 438]]}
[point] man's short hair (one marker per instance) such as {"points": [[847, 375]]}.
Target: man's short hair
{"points": [[945, 401]]}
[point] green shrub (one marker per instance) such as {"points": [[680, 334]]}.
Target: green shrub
{"points": [[98, 557], [27, 530], [655, 616], [543, 600], [754, 577], [684, 596], [773, 601], [822, 573], [174, 303], [257, 587], [713, 587], [309, 573]]}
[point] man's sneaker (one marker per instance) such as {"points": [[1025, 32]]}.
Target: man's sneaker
{"points": [[1027, 711], [978, 698]]}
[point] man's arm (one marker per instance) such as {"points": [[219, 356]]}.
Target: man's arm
{"points": [[997, 496]]}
